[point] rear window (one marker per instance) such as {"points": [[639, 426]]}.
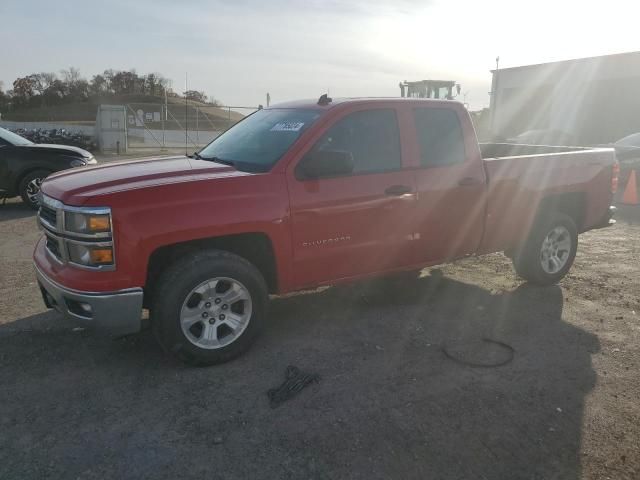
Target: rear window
{"points": [[439, 136]]}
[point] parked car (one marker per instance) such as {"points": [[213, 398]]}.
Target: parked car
{"points": [[297, 196], [544, 137], [628, 150], [24, 165]]}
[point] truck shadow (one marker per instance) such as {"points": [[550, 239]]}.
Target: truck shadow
{"points": [[390, 403]]}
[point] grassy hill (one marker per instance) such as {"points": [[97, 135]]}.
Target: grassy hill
{"points": [[206, 116]]}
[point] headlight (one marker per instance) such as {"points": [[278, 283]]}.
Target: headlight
{"points": [[92, 160], [90, 255], [78, 163], [87, 223]]}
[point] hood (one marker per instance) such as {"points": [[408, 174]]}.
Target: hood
{"points": [[77, 186], [54, 148]]}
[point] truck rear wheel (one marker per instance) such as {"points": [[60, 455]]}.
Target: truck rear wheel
{"points": [[549, 252], [209, 307]]}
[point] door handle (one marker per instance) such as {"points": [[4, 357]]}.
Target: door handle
{"points": [[468, 182], [398, 190]]}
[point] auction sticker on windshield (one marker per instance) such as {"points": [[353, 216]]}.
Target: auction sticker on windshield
{"points": [[287, 127]]}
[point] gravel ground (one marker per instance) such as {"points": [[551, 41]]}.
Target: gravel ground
{"points": [[390, 403]]}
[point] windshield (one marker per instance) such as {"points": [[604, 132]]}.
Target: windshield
{"points": [[258, 142], [13, 138]]}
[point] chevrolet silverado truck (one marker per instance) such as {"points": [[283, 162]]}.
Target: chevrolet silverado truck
{"points": [[300, 195]]}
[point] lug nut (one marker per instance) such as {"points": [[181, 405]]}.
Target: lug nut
{"points": [[212, 321], [207, 305], [225, 306], [222, 317], [205, 314], [218, 301]]}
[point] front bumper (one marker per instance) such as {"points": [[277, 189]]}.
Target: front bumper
{"points": [[116, 313]]}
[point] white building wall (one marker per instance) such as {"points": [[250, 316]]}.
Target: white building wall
{"points": [[571, 86]]}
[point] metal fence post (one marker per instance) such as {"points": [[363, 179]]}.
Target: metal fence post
{"points": [[162, 114]]}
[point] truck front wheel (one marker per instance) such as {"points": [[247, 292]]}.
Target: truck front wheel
{"points": [[209, 307], [549, 251]]}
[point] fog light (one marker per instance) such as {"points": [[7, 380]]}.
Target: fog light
{"points": [[81, 309], [86, 308], [100, 256]]}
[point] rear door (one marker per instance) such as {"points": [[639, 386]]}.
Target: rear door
{"points": [[358, 223], [450, 183]]}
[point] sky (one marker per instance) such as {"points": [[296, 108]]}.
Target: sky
{"points": [[239, 50]]}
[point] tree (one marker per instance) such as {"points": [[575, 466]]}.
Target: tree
{"points": [[56, 92], [70, 76], [153, 86], [41, 82], [77, 88], [23, 89], [99, 85], [47, 88], [123, 82], [4, 99], [108, 76]]}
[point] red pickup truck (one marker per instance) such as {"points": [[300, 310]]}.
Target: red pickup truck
{"points": [[300, 195]]}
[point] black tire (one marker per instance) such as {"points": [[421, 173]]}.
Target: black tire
{"points": [[25, 185], [176, 283], [527, 261]]}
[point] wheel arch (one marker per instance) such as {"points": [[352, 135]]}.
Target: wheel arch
{"points": [[572, 204], [22, 174], [255, 247]]}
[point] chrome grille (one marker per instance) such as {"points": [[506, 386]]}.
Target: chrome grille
{"points": [[53, 246], [48, 215]]}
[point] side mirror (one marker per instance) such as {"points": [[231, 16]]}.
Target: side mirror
{"points": [[326, 163]]}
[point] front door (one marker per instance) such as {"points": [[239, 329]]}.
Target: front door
{"points": [[356, 223]]}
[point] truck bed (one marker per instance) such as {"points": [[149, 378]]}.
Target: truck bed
{"points": [[519, 177]]}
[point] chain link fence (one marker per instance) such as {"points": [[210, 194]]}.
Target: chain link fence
{"points": [[174, 125]]}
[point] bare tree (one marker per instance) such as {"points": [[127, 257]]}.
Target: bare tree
{"points": [[70, 76], [41, 83]]}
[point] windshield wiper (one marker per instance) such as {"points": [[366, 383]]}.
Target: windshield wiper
{"points": [[215, 159]]}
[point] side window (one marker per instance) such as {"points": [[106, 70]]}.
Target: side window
{"points": [[439, 136], [371, 136]]}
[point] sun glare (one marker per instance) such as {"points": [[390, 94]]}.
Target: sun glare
{"points": [[465, 37]]}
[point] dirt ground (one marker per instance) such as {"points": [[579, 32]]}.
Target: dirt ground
{"points": [[390, 403]]}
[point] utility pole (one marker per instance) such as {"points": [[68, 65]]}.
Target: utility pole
{"points": [[494, 96], [186, 114], [166, 115], [268, 99]]}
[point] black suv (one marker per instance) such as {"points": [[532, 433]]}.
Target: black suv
{"points": [[24, 165]]}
